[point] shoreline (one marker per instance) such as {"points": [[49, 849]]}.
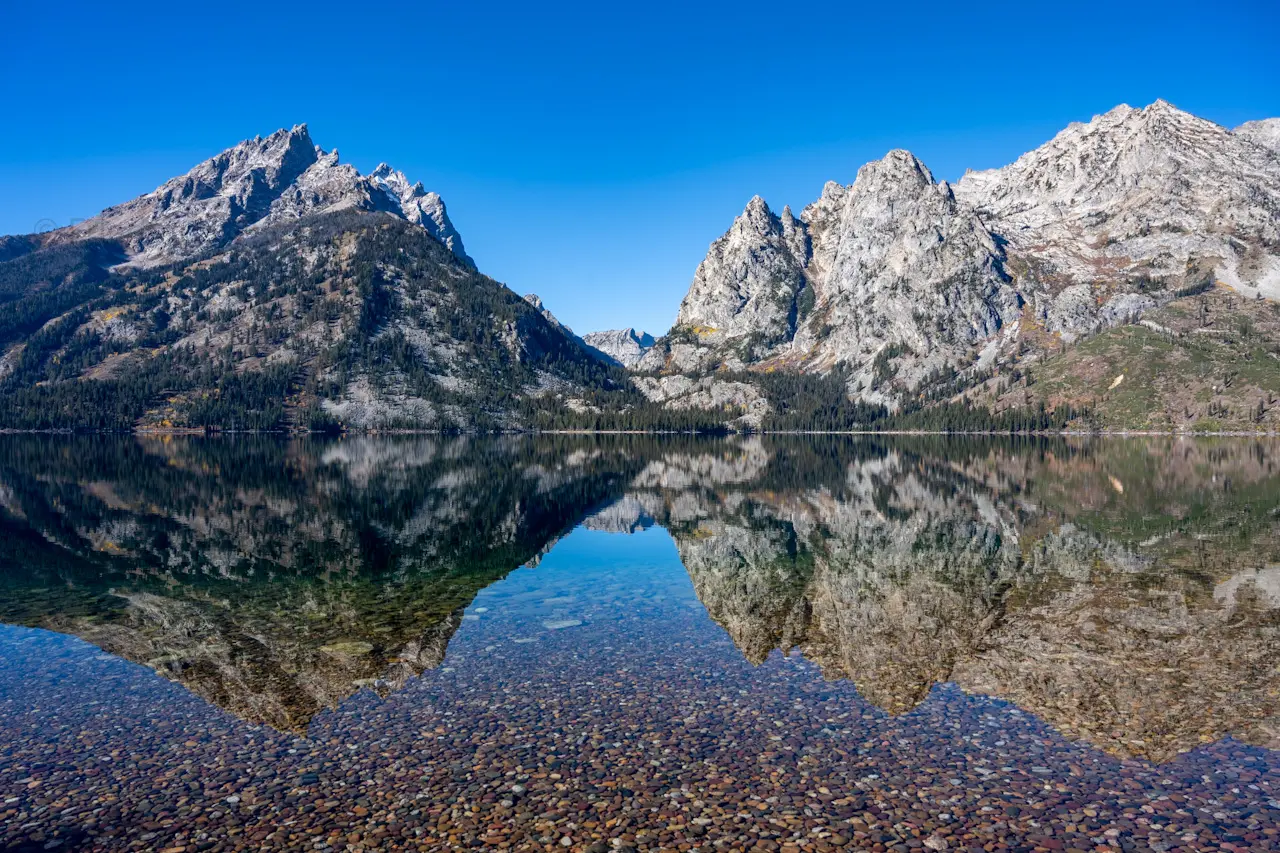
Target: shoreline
{"points": [[204, 433]]}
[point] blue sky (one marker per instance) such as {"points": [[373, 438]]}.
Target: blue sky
{"points": [[590, 153]]}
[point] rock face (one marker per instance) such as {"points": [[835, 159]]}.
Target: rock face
{"points": [[257, 184], [208, 206], [899, 280], [625, 346], [892, 264], [741, 402], [1264, 132], [898, 263], [420, 207], [745, 295], [536, 301], [1141, 194]]}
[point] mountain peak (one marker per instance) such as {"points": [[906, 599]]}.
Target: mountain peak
{"points": [[254, 184], [535, 302], [624, 347], [757, 218], [757, 209], [207, 206], [1131, 188], [898, 165], [1264, 133]]}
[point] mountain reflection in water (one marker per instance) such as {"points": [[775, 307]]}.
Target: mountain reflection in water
{"points": [[1127, 592]]}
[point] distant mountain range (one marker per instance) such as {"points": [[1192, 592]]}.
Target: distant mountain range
{"points": [[625, 346], [1124, 274]]}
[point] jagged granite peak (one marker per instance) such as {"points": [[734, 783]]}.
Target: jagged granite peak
{"points": [[892, 260], [743, 300], [256, 184], [421, 207], [327, 186], [897, 172], [898, 262], [330, 185], [1140, 194], [207, 206], [897, 278], [626, 347]]}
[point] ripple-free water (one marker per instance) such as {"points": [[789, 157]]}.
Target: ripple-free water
{"points": [[521, 643]]}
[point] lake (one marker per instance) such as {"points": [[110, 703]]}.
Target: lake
{"points": [[600, 643]]}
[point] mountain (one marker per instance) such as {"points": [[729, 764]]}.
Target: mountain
{"points": [[536, 301], [1264, 132], [272, 287], [891, 260], [914, 292], [1124, 275], [1139, 195], [255, 185], [625, 346]]}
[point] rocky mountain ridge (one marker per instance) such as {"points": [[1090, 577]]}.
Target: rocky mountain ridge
{"points": [[1141, 194], [254, 185], [1264, 132], [915, 289]]}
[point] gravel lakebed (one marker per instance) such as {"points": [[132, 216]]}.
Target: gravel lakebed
{"points": [[587, 707]]}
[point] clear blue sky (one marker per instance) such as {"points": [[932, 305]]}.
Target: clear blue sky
{"points": [[587, 153]]}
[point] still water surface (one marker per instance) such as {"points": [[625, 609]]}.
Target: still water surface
{"points": [[628, 643]]}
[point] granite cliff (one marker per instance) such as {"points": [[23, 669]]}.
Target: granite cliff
{"points": [[915, 291]]}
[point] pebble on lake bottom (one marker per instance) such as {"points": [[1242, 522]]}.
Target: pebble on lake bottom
{"points": [[645, 734]]}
